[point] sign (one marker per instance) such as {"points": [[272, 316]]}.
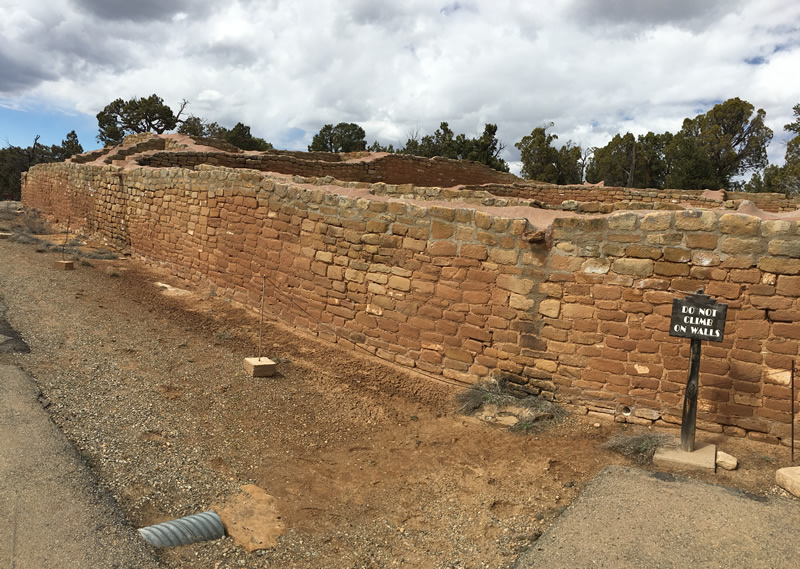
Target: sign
{"points": [[699, 317]]}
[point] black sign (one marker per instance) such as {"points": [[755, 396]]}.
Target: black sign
{"points": [[698, 316]]}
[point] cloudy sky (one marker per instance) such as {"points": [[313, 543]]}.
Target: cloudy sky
{"points": [[287, 67]]}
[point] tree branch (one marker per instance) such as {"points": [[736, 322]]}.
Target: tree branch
{"points": [[184, 104]]}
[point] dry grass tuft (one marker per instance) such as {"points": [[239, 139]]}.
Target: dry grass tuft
{"points": [[35, 224], [639, 448], [539, 413]]}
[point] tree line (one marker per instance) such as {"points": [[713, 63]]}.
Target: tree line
{"points": [[349, 137], [712, 150], [121, 118], [14, 160], [783, 179]]}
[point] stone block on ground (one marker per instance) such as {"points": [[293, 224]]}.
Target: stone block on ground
{"points": [[789, 479], [727, 461], [64, 265], [260, 367]]}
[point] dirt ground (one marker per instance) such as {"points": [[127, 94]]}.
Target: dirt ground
{"points": [[371, 465]]}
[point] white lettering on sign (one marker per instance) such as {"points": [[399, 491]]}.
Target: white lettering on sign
{"points": [[698, 321], [710, 332], [710, 312], [692, 321], [705, 321]]}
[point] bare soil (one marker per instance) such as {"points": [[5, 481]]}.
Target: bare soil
{"points": [[371, 464]]}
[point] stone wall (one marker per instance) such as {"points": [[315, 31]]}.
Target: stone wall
{"points": [[610, 284], [569, 306], [388, 168], [633, 198]]}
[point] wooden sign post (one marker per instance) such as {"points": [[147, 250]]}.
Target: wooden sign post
{"points": [[700, 318]]}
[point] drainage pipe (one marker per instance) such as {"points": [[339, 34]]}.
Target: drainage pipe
{"points": [[204, 526]]}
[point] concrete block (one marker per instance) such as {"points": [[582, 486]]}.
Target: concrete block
{"points": [[789, 479], [703, 457], [64, 265], [5, 235], [260, 367]]}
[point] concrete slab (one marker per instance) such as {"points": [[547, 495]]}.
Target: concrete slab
{"points": [[5, 235], [260, 367], [628, 518], [52, 513], [704, 457], [10, 340]]}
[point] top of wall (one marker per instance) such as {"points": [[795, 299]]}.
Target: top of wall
{"points": [[413, 177], [182, 151]]}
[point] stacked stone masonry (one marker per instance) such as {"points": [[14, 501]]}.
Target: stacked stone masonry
{"points": [[593, 199], [389, 168], [572, 306]]}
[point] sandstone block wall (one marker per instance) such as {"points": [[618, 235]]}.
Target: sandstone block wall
{"points": [[632, 198], [577, 309], [389, 168], [447, 290], [609, 290]]}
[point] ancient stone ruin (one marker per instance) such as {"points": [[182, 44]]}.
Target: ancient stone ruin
{"points": [[457, 270]]}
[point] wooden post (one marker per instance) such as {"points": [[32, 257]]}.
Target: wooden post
{"points": [[66, 238], [261, 319], [690, 399], [63, 264]]}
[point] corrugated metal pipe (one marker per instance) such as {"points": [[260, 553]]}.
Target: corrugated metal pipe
{"points": [[204, 526]]}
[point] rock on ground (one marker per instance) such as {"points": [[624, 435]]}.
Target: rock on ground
{"points": [[727, 461], [789, 479]]}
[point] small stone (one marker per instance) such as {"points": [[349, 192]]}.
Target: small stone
{"points": [[507, 420], [789, 479], [550, 307], [596, 425], [726, 461]]}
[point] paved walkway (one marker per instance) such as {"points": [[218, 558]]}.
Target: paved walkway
{"points": [[51, 512], [631, 518]]}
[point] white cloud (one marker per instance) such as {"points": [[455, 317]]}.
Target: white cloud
{"points": [[209, 95], [288, 67]]}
